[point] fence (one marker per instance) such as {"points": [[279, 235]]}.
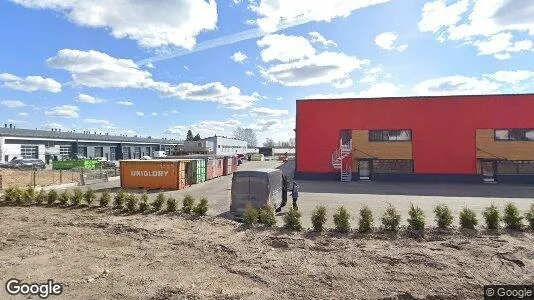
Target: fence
{"points": [[22, 178]]}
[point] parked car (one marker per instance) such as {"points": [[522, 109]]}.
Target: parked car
{"points": [[110, 164], [24, 163]]}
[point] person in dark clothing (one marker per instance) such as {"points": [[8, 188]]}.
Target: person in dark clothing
{"points": [[284, 194], [295, 194]]}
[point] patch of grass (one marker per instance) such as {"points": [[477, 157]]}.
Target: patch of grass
{"points": [[292, 220], [416, 218], [492, 217], [41, 197], [158, 203], [366, 220], [391, 219], [131, 203], [443, 216], [28, 196], [318, 218], [529, 216], [202, 207], [119, 199], [77, 197], [188, 204], [342, 220], [89, 196], [468, 219], [512, 218], [267, 217], [52, 197], [143, 204], [64, 197], [171, 205], [250, 216], [104, 200]]}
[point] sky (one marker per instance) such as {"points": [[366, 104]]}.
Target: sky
{"points": [[159, 68]]}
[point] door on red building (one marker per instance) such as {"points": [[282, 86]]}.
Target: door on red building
{"points": [[364, 168], [489, 168]]}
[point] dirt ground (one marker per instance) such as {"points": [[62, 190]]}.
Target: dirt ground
{"points": [[99, 255]]}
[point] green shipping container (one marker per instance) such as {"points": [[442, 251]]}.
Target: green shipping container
{"points": [[197, 169]]}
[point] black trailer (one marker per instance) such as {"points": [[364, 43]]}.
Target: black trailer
{"points": [[258, 188]]}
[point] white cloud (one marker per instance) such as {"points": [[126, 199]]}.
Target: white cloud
{"points": [[512, 77], [125, 103], [154, 114], [490, 25], [206, 128], [103, 123], [326, 67], [387, 41], [30, 83], [273, 13], [150, 65], [249, 73], [67, 111], [23, 114], [239, 57], [13, 103], [96, 69], [376, 90], [16, 121], [285, 48], [455, 85], [343, 83], [160, 23], [316, 37], [139, 114], [89, 99], [165, 114], [279, 99], [269, 112], [372, 75], [174, 112]]}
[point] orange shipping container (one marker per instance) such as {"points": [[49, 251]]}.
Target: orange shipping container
{"points": [[153, 174]]}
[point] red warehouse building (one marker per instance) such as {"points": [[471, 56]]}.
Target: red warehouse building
{"points": [[448, 138]]}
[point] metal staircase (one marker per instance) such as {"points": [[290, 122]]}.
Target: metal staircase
{"points": [[343, 151]]}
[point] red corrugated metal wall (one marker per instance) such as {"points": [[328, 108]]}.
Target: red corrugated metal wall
{"points": [[443, 128]]}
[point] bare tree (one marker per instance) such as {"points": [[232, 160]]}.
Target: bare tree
{"points": [[269, 143], [246, 134], [292, 143]]}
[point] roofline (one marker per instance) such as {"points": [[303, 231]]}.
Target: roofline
{"points": [[418, 97]]}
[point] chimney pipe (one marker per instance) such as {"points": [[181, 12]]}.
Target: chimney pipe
{"points": [[10, 125], [5, 125]]}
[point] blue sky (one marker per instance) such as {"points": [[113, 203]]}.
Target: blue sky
{"points": [[134, 67]]}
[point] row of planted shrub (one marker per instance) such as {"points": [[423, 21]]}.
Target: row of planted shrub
{"points": [[391, 219], [121, 201]]}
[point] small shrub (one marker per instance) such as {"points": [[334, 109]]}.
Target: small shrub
{"points": [[318, 218], [342, 220], [158, 203], [64, 197], [10, 195], [366, 220], [77, 197], [391, 219], [52, 197], [250, 216], [119, 199], [468, 219], [202, 207], [512, 218], [530, 217], [492, 217], [104, 200], [416, 218], [131, 203], [29, 196], [188, 204], [41, 197], [171, 205], [292, 220], [266, 216], [444, 216], [143, 204], [89, 196]]}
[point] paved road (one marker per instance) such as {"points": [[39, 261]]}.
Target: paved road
{"points": [[354, 195]]}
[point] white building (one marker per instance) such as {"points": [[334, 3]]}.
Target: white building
{"points": [[226, 146], [55, 144]]}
